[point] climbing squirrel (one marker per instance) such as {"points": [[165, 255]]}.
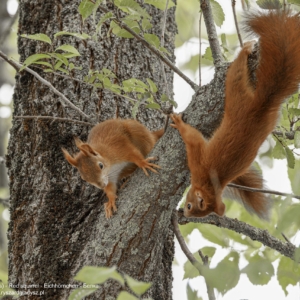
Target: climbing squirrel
{"points": [[250, 115], [114, 149]]}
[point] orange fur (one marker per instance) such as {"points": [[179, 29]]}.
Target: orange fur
{"points": [[250, 115], [115, 148]]}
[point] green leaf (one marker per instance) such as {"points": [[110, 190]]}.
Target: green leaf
{"points": [[131, 7], [80, 293], [297, 139], [43, 63], [153, 87], [288, 273], [60, 57], [126, 296], [58, 65], [153, 105], [68, 48], [138, 287], [217, 12], [294, 175], [86, 8], [215, 236], [290, 157], [98, 275], [146, 24], [32, 59], [190, 271], [208, 55], [278, 151], [267, 4], [208, 251], [160, 4], [259, 270], [38, 37], [191, 295], [118, 31], [63, 70], [164, 98], [152, 39], [82, 36], [228, 270], [103, 19]]}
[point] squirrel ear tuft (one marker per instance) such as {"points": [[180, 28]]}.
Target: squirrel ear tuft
{"points": [[220, 208], [69, 158], [86, 149]]}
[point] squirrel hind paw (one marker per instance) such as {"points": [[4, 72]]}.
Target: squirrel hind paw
{"points": [[176, 119], [109, 209]]}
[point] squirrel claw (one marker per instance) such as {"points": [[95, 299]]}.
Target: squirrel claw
{"points": [[176, 119], [109, 208]]}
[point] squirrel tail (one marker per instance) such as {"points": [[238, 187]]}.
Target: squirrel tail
{"points": [[255, 202], [158, 134], [278, 73]]}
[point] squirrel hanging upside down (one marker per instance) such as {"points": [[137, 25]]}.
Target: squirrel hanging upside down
{"points": [[115, 148], [250, 115]]}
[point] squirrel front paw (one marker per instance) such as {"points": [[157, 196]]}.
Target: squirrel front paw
{"points": [[177, 119]]}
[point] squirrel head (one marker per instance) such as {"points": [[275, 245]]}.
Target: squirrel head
{"points": [[200, 203], [92, 167]]}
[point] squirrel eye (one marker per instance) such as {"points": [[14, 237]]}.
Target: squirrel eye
{"points": [[101, 165], [189, 206]]}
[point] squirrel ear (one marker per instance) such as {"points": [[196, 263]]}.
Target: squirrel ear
{"points": [[220, 208], [69, 158], [85, 148]]}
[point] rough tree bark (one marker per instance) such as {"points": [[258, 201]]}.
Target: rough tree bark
{"points": [[58, 222]]}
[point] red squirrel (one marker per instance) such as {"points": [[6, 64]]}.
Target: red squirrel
{"points": [[250, 115], [114, 149]]}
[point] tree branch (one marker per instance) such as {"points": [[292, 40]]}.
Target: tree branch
{"points": [[245, 188], [4, 202], [153, 50], [256, 234], [211, 32], [55, 119], [63, 98]]}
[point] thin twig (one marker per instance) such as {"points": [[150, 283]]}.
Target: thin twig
{"points": [[55, 119], [236, 22], [256, 234], [210, 290], [245, 188], [7, 30], [190, 256], [153, 50], [183, 245], [2, 160], [4, 202], [63, 98], [285, 238], [200, 45], [162, 42], [211, 32]]}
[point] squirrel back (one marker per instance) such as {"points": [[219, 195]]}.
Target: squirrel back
{"points": [[114, 149]]}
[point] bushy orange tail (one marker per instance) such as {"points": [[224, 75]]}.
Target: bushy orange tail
{"points": [[158, 134], [255, 202], [278, 73]]}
